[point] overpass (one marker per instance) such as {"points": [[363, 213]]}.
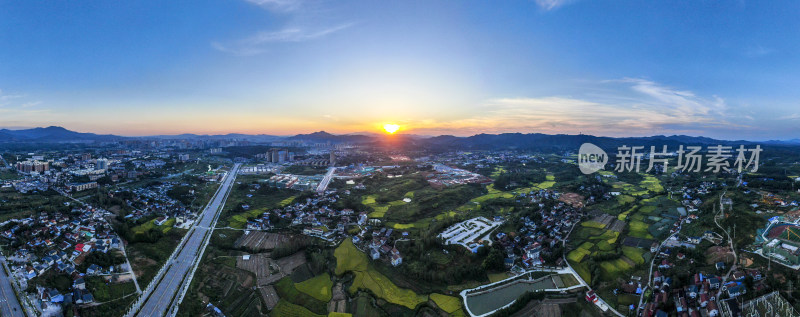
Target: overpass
{"points": [[323, 185]]}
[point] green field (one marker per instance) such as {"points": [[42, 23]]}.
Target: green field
{"points": [[350, 259], [593, 224], [239, 221], [652, 184], [577, 255], [289, 291], [495, 277], [614, 268], [382, 287], [287, 309], [638, 229], [568, 280], [624, 199], [318, 287], [633, 253], [449, 304], [150, 224], [379, 210]]}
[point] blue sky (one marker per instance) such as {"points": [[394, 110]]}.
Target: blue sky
{"points": [[726, 69]]}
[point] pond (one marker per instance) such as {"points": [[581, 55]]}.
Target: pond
{"points": [[495, 299]]}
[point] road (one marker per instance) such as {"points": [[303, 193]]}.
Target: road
{"points": [[735, 256], [323, 185], [122, 245], [162, 298], [9, 304], [652, 264]]}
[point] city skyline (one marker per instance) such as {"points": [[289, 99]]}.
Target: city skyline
{"points": [[284, 67]]}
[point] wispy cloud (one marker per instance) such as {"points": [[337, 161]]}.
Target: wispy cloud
{"points": [[300, 30], [551, 4], [278, 5], [758, 51], [6, 99], [793, 116], [641, 107], [259, 42]]}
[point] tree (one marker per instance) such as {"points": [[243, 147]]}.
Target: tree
{"points": [[493, 261]]}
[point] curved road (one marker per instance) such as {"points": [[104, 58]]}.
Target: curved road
{"points": [[162, 298]]}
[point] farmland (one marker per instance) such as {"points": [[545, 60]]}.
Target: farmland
{"points": [[318, 287], [350, 259]]}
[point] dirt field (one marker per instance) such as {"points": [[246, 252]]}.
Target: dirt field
{"points": [[270, 296], [605, 219], [573, 199], [260, 241], [338, 302], [717, 254], [289, 263], [617, 225], [546, 308], [269, 271]]}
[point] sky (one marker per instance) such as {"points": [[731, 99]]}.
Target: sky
{"points": [[722, 69]]}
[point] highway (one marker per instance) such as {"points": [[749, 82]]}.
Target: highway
{"points": [[162, 298], [9, 304]]}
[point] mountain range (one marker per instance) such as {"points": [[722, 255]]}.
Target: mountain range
{"points": [[54, 134]]}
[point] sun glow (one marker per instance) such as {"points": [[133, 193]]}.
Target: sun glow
{"points": [[391, 128]]}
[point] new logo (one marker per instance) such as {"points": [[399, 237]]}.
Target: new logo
{"points": [[591, 158]]}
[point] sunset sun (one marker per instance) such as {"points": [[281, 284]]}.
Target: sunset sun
{"points": [[391, 128]]}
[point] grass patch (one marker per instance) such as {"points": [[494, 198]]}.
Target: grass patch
{"points": [[382, 287], [625, 199], [287, 290], [287, 309], [638, 229], [633, 253], [545, 184], [318, 287], [614, 268], [577, 255], [350, 259], [583, 270], [449, 304], [568, 280], [287, 201], [603, 245], [593, 224], [495, 277]]}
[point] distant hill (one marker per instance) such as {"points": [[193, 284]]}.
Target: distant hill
{"points": [[510, 141], [51, 134], [539, 141], [322, 137], [229, 136]]}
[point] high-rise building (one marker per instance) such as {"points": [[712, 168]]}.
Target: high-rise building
{"points": [[275, 157], [33, 166], [101, 164]]}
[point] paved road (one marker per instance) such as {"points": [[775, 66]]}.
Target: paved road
{"points": [[9, 304], [323, 185], [163, 295]]}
